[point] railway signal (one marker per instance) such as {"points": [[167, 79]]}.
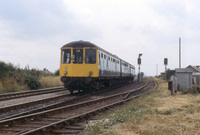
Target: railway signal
{"points": [[140, 76], [165, 63], [139, 61]]}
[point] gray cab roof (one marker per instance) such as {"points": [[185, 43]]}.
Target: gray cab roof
{"points": [[81, 43]]}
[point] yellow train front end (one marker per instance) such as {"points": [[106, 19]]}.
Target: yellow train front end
{"points": [[78, 65]]}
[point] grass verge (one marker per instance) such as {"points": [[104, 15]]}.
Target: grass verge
{"points": [[10, 85], [155, 113]]}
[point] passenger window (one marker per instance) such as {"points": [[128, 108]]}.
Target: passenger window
{"points": [[77, 56], [105, 56], [90, 56], [66, 56]]}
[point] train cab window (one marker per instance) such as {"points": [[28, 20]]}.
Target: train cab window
{"points": [[90, 56], [77, 56], [66, 56]]}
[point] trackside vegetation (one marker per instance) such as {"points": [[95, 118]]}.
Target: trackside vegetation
{"points": [[151, 114], [13, 78]]}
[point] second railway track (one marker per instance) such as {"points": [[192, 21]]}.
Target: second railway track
{"points": [[27, 93]]}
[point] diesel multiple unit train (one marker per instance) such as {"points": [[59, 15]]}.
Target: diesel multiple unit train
{"points": [[85, 66]]}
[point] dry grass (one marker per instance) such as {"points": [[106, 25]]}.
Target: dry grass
{"points": [[50, 81], [1, 86], [170, 115], [161, 113], [10, 85]]}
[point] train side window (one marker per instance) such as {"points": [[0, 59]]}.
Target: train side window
{"points": [[101, 55], [66, 56], [90, 56], [77, 56], [105, 56], [107, 63]]}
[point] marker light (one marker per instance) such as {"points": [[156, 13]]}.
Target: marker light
{"points": [[65, 72]]}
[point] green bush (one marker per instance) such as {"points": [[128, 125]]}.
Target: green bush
{"points": [[32, 82], [56, 73], [169, 73], [6, 69]]}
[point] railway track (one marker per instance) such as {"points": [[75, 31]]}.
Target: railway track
{"points": [[29, 107], [36, 106], [41, 98], [51, 120], [22, 94]]}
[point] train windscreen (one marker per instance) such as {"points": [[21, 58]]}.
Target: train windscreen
{"points": [[90, 56], [66, 56], [77, 56]]}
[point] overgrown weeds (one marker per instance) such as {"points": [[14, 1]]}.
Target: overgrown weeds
{"points": [[194, 89]]}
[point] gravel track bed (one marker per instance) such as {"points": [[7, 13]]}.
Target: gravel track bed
{"points": [[29, 99]]}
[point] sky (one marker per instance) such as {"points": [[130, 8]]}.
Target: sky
{"points": [[33, 31]]}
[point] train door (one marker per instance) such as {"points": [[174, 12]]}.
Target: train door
{"points": [[120, 68], [91, 62], [99, 55]]}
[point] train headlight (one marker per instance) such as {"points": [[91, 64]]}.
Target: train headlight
{"points": [[65, 72], [90, 73]]}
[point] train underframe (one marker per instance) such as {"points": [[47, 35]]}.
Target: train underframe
{"points": [[89, 84]]}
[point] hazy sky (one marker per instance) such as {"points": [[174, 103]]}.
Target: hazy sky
{"points": [[33, 31]]}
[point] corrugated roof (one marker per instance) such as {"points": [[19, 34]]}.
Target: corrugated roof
{"points": [[195, 68]]}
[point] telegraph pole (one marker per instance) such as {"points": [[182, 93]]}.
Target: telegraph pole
{"points": [[179, 52], [156, 70]]}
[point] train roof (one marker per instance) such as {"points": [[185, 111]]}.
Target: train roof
{"points": [[82, 43]]}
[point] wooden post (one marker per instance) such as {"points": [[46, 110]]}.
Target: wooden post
{"points": [[179, 52]]}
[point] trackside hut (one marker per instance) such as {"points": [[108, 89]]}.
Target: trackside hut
{"points": [[195, 74], [184, 78]]}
